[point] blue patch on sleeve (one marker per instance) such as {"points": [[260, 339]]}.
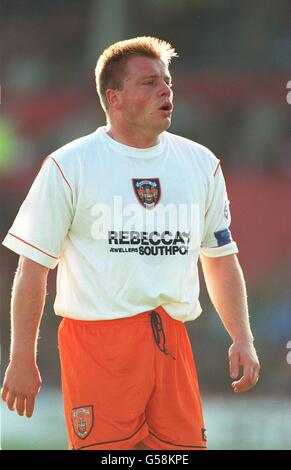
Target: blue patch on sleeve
{"points": [[223, 237]]}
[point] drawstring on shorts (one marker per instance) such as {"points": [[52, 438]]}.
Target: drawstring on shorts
{"points": [[159, 334]]}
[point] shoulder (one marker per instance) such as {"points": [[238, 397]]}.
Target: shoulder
{"points": [[74, 150], [202, 155], [68, 159]]}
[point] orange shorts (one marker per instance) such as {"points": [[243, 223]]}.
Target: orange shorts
{"points": [[130, 380]]}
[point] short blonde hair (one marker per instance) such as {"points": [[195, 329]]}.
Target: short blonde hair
{"points": [[111, 65]]}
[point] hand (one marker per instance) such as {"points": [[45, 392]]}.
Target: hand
{"points": [[21, 384], [243, 354]]}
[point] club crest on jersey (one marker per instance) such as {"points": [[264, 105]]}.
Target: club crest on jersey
{"points": [[147, 191], [82, 419]]}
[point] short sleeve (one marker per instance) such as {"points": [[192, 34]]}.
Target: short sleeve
{"points": [[217, 240], [44, 218]]}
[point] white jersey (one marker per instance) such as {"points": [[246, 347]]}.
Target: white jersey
{"points": [[124, 225]]}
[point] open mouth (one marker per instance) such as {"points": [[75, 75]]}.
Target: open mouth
{"points": [[168, 107]]}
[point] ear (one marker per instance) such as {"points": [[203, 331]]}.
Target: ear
{"points": [[113, 98]]}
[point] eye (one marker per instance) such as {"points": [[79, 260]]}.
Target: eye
{"points": [[149, 82]]}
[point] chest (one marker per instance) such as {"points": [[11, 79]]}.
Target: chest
{"points": [[148, 183], [128, 194]]}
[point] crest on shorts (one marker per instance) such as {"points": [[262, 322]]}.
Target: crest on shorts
{"points": [[147, 191], [82, 419]]}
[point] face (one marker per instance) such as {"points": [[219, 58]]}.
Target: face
{"points": [[145, 100]]}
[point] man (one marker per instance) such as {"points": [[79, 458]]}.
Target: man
{"points": [[125, 213]]}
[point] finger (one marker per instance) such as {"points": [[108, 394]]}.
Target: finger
{"points": [[234, 365], [4, 393], [246, 382], [255, 376], [240, 386], [11, 401], [20, 405], [30, 402]]}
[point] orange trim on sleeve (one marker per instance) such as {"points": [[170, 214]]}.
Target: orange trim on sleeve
{"points": [[61, 172], [15, 236], [216, 169]]}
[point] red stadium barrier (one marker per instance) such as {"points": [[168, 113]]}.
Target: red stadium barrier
{"points": [[261, 222]]}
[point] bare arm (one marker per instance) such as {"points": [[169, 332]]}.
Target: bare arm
{"points": [[226, 287], [22, 379]]}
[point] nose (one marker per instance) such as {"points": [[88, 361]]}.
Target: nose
{"points": [[165, 89]]}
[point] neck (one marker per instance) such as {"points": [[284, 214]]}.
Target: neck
{"points": [[132, 137]]}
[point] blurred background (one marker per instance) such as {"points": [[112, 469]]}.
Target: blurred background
{"points": [[230, 94]]}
